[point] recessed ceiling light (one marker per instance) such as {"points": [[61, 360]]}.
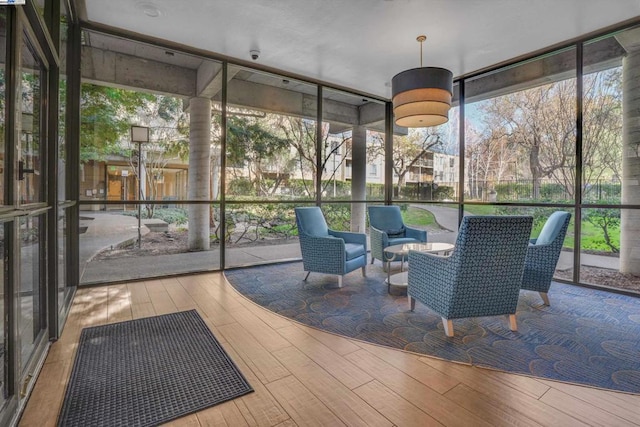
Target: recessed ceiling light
{"points": [[149, 9]]}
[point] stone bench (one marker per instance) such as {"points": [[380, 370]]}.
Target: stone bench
{"points": [[156, 225]]}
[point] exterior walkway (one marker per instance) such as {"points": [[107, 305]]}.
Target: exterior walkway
{"points": [[105, 230]]}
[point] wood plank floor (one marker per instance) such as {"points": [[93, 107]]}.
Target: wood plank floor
{"points": [[303, 376]]}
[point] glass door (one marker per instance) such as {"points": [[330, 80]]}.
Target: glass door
{"points": [[31, 201], [25, 208]]}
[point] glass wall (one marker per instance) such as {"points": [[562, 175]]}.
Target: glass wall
{"points": [[3, 54], [609, 226], [148, 203], [270, 158], [30, 165], [520, 132], [3, 308], [31, 324], [522, 152]]}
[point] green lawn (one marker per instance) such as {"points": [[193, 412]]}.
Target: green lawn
{"points": [[480, 209], [592, 236], [418, 217]]}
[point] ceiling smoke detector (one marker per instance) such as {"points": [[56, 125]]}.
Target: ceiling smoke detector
{"points": [[149, 9]]}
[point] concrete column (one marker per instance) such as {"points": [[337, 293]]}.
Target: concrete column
{"points": [[199, 172], [630, 218], [358, 178]]}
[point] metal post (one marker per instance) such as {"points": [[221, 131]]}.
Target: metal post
{"points": [[139, 135], [139, 193]]}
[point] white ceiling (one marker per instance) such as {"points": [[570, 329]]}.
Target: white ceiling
{"points": [[362, 44]]}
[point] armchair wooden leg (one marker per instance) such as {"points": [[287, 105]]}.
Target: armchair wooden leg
{"points": [[339, 281], [372, 259], [448, 327], [307, 276], [513, 325], [412, 302], [364, 271], [545, 298]]}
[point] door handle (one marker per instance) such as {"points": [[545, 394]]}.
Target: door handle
{"points": [[22, 170]]}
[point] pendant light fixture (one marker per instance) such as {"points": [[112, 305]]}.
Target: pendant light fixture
{"points": [[422, 96]]}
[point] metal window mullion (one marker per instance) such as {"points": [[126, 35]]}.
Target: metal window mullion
{"points": [[577, 223], [461, 149], [72, 136], [388, 154], [13, 43], [318, 146], [223, 166]]}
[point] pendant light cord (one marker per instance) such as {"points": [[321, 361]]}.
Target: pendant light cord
{"points": [[421, 39]]}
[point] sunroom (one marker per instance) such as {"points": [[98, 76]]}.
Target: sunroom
{"points": [[154, 154]]}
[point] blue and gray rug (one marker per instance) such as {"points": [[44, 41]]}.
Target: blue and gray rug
{"points": [[586, 336]]}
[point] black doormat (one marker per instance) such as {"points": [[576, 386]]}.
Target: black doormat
{"points": [[148, 371]]}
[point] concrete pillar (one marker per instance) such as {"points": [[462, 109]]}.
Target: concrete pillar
{"points": [[199, 172], [358, 178], [630, 218]]}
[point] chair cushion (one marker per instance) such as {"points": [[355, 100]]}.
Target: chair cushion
{"points": [[396, 233], [353, 250], [551, 228], [402, 240]]}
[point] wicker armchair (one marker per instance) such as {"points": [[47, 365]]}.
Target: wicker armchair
{"points": [[543, 253], [328, 251], [481, 277], [386, 228]]}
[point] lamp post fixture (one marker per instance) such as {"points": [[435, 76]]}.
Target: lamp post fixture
{"points": [[139, 135]]}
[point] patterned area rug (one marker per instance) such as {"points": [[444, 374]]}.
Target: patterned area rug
{"points": [[148, 371], [585, 337]]}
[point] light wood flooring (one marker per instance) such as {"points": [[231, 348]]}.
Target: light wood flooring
{"points": [[303, 376]]}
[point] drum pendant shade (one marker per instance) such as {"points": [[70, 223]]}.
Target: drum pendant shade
{"points": [[422, 96]]}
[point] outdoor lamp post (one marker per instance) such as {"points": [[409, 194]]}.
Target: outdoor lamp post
{"points": [[139, 135]]}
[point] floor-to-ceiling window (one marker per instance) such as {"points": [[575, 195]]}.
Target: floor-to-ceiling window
{"points": [[271, 164], [520, 142], [610, 197], [25, 209], [168, 184], [522, 153]]}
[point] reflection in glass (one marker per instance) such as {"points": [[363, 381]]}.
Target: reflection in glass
{"points": [[62, 234], [32, 232], [62, 106], [30, 162]]}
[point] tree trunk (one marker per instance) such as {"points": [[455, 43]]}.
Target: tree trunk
{"points": [[199, 172], [536, 173]]}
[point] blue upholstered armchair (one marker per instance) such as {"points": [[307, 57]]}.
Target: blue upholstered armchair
{"points": [[386, 228], [543, 253], [481, 277], [328, 251]]}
